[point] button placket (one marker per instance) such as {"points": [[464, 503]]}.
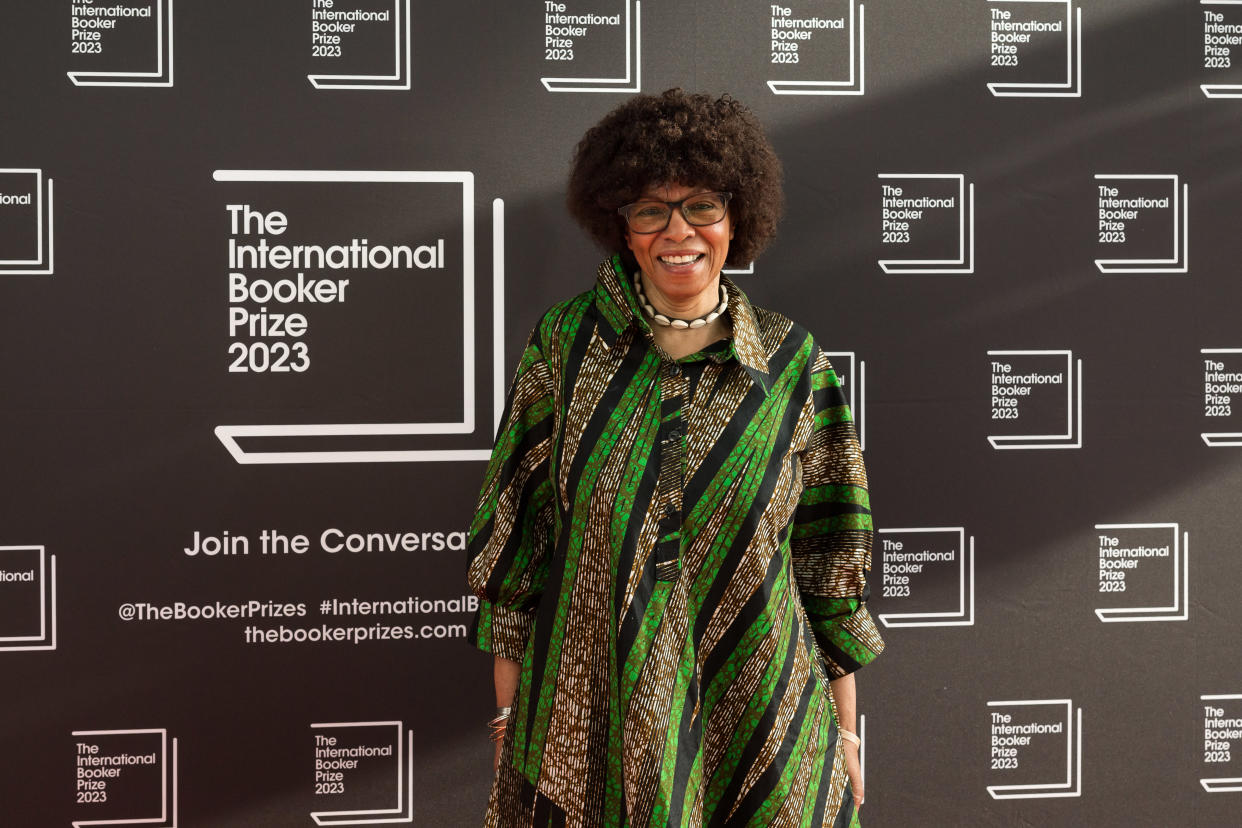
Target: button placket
{"points": [[672, 446]]}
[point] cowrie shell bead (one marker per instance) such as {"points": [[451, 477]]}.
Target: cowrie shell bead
{"points": [[679, 324]]}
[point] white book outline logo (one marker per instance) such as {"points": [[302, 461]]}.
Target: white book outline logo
{"points": [[404, 809], [631, 82], [1219, 439], [43, 263], [1222, 784], [1072, 786], [163, 49], [1072, 438], [855, 84], [965, 261], [1180, 261], [855, 390], [1221, 90], [1179, 610], [229, 434], [46, 639], [964, 615], [1071, 87], [168, 780], [400, 77], [862, 749]]}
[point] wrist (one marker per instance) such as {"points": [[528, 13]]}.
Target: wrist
{"points": [[500, 723]]}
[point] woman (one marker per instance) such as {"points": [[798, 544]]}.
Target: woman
{"points": [[672, 539]]}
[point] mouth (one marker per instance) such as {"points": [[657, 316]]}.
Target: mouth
{"points": [[680, 258]]}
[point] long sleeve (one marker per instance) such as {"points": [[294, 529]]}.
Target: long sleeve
{"points": [[511, 532], [832, 530]]}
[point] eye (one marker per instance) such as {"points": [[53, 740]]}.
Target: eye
{"points": [[705, 205], [649, 211]]}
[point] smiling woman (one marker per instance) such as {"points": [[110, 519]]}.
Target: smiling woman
{"points": [[671, 543]]}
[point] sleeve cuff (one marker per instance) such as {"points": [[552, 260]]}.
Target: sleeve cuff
{"points": [[850, 643], [501, 631]]}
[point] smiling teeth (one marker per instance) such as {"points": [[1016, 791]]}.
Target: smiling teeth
{"points": [[680, 259]]}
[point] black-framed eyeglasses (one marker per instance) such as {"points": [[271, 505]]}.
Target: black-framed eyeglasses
{"points": [[651, 216]]}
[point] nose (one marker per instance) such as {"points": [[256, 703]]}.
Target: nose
{"points": [[678, 228]]}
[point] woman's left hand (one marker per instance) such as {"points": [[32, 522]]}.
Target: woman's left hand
{"points": [[854, 768], [846, 702]]}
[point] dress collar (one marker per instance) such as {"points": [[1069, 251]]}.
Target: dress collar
{"points": [[620, 318]]}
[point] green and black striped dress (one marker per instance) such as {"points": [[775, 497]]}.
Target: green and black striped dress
{"points": [[676, 553]]}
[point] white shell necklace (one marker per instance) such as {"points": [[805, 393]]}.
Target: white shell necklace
{"points": [[681, 324]]}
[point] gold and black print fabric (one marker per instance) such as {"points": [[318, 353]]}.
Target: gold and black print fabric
{"points": [[676, 552]]}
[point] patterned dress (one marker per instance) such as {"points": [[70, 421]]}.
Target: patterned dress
{"points": [[676, 553]]}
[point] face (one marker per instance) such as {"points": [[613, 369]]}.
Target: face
{"points": [[681, 262]]}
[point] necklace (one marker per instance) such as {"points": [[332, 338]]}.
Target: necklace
{"points": [[681, 324]]}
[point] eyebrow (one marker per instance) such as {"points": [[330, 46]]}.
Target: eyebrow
{"points": [[646, 197]]}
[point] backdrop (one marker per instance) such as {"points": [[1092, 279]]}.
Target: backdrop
{"points": [[265, 268]]}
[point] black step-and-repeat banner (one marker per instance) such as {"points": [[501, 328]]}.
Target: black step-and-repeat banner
{"points": [[265, 268]]}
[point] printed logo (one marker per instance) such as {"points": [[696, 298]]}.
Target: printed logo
{"points": [[1038, 393], [1222, 735], [124, 777], [1136, 215], [1026, 38], [1139, 559], [119, 41], [1222, 381], [1222, 31], [593, 38], [862, 749], [928, 221], [923, 571], [26, 239], [352, 760], [321, 312], [369, 37], [852, 373], [27, 598], [1029, 740], [807, 49]]}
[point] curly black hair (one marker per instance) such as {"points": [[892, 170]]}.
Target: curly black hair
{"points": [[677, 138]]}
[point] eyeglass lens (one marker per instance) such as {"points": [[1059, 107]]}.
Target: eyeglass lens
{"points": [[653, 216]]}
